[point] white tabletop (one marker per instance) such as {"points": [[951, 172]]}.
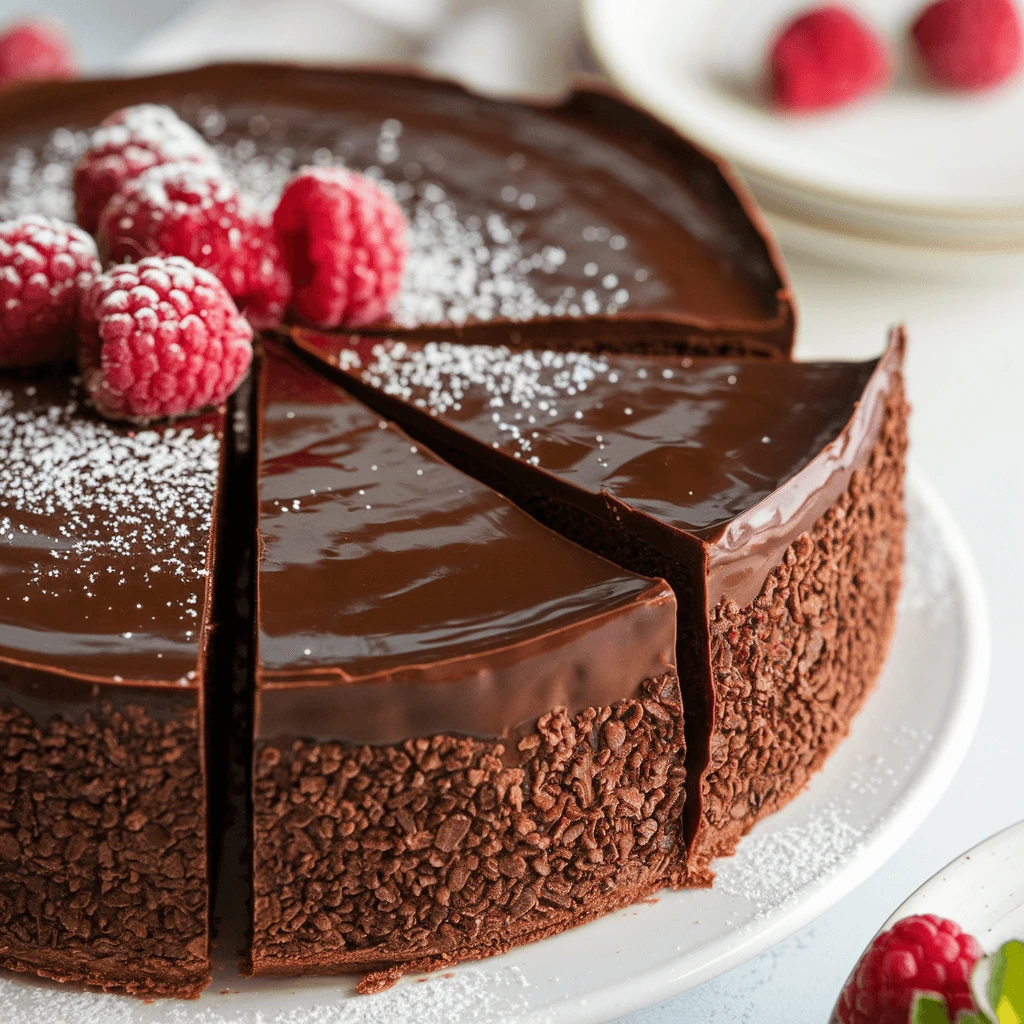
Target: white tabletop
{"points": [[966, 380]]}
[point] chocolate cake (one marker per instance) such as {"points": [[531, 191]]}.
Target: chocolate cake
{"points": [[465, 727], [107, 560], [475, 741], [769, 494]]}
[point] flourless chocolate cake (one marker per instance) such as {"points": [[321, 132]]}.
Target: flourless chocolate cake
{"points": [[567, 574], [107, 563], [476, 740]]}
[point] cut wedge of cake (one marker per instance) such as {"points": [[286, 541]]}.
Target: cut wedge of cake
{"points": [[468, 731], [768, 494]]}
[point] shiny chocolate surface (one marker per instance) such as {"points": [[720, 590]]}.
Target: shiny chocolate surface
{"points": [[399, 597], [104, 536], [517, 212], [690, 444]]}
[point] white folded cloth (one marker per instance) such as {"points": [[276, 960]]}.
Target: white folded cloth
{"points": [[524, 47]]}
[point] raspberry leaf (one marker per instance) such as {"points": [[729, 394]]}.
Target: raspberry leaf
{"points": [[1006, 983], [929, 1009]]}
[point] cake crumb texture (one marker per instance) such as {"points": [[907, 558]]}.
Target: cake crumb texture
{"points": [[791, 670], [448, 848], [103, 850]]}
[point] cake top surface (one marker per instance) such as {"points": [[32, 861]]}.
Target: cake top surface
{"points": [[104, 532], [515, 212], [694, 443], [378, 557]]}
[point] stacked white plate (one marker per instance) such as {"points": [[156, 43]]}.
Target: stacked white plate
{"points": [[914, 176]]}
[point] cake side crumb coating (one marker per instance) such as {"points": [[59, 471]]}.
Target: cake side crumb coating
{"points": [[449, 848], [792, 669], [103, 850]]}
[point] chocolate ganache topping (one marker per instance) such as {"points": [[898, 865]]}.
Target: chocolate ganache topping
{"points": [[104, 537], [439, 606], [738, 454], [589, 212]]}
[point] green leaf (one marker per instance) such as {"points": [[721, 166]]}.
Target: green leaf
{"points": [[929, 1009], [1006, 984], [973, 1018]]}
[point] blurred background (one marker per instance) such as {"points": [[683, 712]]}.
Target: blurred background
{"points": [[907, 208]]}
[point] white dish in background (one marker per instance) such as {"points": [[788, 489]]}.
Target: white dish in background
{"points": [[935, 263], [912, 179], [872, 794], [700, 65]]}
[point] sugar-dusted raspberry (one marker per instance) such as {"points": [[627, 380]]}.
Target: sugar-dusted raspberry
{"points": [[343, 239], [44, 266], [918, 954], [193, 210], [970, 44], [127, 143], [160, 338], [826, 58], [35, 50]]}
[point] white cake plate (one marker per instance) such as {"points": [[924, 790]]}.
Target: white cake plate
{"points": [[876, 789]]}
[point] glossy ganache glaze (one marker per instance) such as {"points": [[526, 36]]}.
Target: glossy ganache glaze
{"points": [[704, 471], [106, 558], [588, 212], [440, 606], [404, 610]]}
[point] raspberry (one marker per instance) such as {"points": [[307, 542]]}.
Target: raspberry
{"points": [[192, 210], [970, 44], [343, 240], [826, 58], [44, 266], [32, 50], [127, 143], [160, 338], [918, 954]]}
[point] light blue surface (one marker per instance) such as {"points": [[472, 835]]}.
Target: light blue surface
{"points": [[797, 981]]}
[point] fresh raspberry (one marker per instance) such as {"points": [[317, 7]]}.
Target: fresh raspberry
{"points": [[918, 954], [160, 338], [970, 44], [343, 240], [44, 266], [32, 50], [826, 58], [192, 210], [127, 143]]}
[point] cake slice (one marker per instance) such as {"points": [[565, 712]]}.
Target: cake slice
{"points": [[106, 618], [468, 731], [768, 494]]}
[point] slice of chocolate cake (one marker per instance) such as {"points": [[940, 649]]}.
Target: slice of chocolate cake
{"points": [[589, 213], [768, 494], [468, 731], [107, 564]]}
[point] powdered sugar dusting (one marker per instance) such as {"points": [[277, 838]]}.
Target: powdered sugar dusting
{"points": [[771, 870], [459, 268], [153, 126], [462, 265], [524, 388], [471, 996], [40, 182], [112, 503]]}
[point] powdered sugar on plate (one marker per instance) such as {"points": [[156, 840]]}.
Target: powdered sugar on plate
{"points": [[471, 996]]}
